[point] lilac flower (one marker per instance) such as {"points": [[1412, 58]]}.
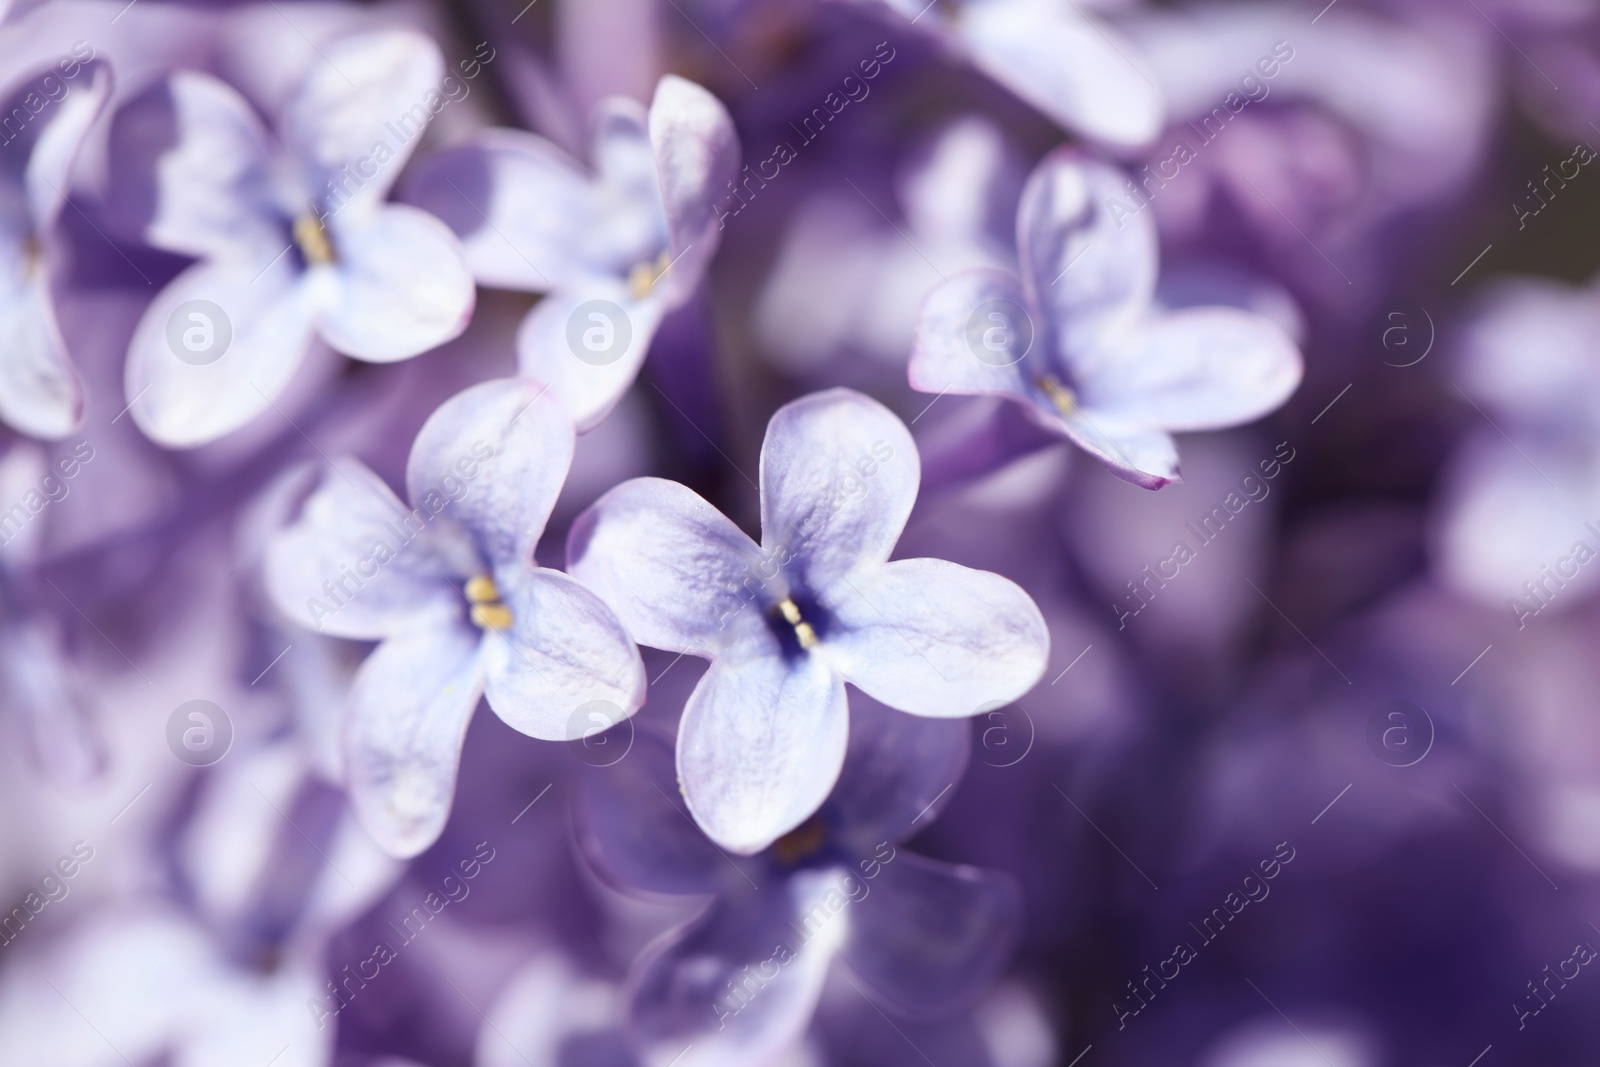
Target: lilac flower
{"points": [[1072, 67], [1076, 341], [786, 623], [39, 391], [450, 589], [615, 250], [739, 983], [293, 236]]}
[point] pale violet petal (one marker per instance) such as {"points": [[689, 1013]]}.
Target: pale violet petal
{"points": [[493, 458], [49, 171], [39, 391], [359, 563], [588, 344], [839, 475], [1196, 369], [263, 1018], [1134, 451], [760, 746], [404, 726], [565, 656], [545, 1005], [181, 392], [677, 572], [399, 287], [697, 155], [935, 638], [973, 334]]}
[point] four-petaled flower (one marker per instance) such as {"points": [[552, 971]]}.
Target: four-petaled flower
{"points": [[450, 589], [1076, 341], [786, 623]]}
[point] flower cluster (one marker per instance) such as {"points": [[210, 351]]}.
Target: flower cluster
{"points": [[929, 493]]}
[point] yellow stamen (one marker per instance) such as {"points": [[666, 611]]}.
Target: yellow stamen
{"points": [[643, 277], [312, 238], [487, 613], [482, 590], [1065, 400], [800, 842], [802, 629]]}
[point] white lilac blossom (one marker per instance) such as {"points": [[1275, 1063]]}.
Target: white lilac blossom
{"points": [[787, 622], [450, 589], [294, 238], [39, 390], [1070, 65], [740, 982], [1078, 343], [613, 250]]}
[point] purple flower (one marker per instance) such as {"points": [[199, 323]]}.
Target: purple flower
{"points": [[1077, 342], [1072, 67], [615, 250], [293, 234], [39, 392], [787, 622], [740, 982], [450, 589]]}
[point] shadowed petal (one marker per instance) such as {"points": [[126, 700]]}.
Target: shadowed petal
{"points": [[760, 746], [935, 638], [39, 391], [898, 775], [404, 726], [49, 172], [839, 475], [697, 155]]}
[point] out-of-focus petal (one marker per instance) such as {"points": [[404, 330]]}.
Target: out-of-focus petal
{"points": [[935, 638], [589, 344], [498, 453], [898, 775], [400, 287], [564, 652], [404, 726], [49, 171], [678, 573], [180, 391], [760, 746], [973, 334], [929, 938], [697, 155], [39, 391], [839, 476]]}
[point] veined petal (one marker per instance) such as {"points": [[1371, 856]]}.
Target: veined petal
{"points": [[697, 155], [565, 652], [1073, 68], [1088, 256], [49, 171], [358, 563], [400, 287], [973, 334], [39, 390], [497, 455], [684, 999], [930, 938], [191, 159], [932, 637], [589, 344], [367, 87], [839, 475], [760, 746], [1197, 369], [404, 727], [678, 573]]}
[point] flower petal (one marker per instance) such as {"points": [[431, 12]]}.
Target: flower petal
{"points": [[839, 475], [39, 390], [401, 285], [973, 334], [589, 344], [498, 453], [377, 87], [404, 727], [932, 637], [678, 573], [697, 155], [316, 569], [1088, 257], [930, 938], [192, 164], [1197, 369], [898, 774], [177, 398], [1134, 451], [1073, 68], [49, 171], [760, 746], [565, 653], [690, 995]]}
